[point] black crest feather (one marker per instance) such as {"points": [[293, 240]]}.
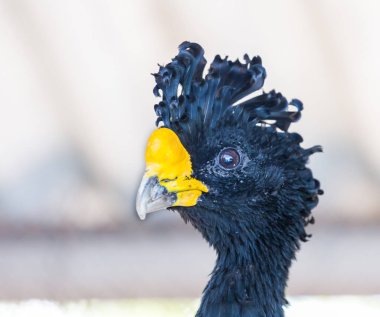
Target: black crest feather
{"points": [[192, 103]]}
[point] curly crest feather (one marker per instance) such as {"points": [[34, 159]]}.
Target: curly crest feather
{"points": [[192, 103]]}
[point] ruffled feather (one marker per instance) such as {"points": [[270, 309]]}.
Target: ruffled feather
{"points": [[191, 104]]}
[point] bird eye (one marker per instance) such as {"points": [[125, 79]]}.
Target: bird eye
{"points": [[229, 158]]}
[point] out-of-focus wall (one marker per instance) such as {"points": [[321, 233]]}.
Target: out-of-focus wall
{"points": [[77, 105]]}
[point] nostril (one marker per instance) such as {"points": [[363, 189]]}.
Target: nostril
{"points": [[167, 180]]}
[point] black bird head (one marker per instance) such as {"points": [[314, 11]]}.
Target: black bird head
{"points": [[230, 167]]}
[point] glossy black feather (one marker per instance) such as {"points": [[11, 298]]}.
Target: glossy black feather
{"points": [[254, 215]]}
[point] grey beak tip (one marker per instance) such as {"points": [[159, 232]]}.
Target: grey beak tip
{"points": [[152, 197]]}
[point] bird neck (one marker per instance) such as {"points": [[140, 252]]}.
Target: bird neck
{"points": [[249, 277]]}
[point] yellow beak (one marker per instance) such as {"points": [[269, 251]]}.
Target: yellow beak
{"points": [[168, 180]]}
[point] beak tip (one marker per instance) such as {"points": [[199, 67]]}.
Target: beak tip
{"points": [[141, 203], [141, 211], [152, 197], [142, 216]]}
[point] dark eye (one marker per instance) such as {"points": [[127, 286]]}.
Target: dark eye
{"points": [[229, 158]]}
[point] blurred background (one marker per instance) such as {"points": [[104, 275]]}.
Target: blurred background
{"points": [[76, 108]]}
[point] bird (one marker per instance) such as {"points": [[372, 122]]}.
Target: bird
{"points": [[223, 158]]}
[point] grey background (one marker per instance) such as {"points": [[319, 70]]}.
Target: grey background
{"points": [[76, 108]]}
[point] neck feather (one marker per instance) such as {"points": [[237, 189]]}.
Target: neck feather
{"points": [[250, 274]]}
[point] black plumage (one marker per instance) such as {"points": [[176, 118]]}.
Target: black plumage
{"points": [[254, 214]]}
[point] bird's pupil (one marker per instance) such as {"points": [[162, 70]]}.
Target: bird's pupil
{"points": [[229, 158]]}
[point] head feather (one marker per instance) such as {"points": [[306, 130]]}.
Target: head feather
{"points": [[192, 103]]}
